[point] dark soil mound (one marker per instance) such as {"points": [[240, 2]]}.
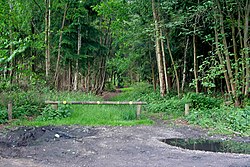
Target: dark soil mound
{"points": [[29, 136]]}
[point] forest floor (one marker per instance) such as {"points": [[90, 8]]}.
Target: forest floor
{"points": [[111, 146]]}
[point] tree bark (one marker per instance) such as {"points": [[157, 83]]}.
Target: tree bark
{"points": [[241, 46], [246, 47], [59, 46], [173, 64], [164, 62], [79, 43], [195, 64], [226, 52], [47, 38], [184, 66], [158, 51], [221, 59]]}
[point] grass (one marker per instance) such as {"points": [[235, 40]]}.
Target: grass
{"points": [[90, 115]]}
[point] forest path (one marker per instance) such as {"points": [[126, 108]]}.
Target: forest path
{"points": [[109, 95]]}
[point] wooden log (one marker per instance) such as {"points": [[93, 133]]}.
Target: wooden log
{"points": [[98, 102], [10, 111], [187, 109]]}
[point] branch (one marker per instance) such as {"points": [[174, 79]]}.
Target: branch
{"points": [[38, 5]]}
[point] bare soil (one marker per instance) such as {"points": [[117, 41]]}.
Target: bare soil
{"points": [[136, 146], [109, 95]]}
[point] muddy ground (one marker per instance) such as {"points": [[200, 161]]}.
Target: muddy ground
{"points": [[137, 146]]}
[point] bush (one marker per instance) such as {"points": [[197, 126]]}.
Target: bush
{"points": [[3, 116], [109, 87], [239, 119], [49, 113], [224, 118], [199, 101]]}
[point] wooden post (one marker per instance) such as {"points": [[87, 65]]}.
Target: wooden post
{"points": [[10, 111], [186, 109], [138, 112], [55, 106]]}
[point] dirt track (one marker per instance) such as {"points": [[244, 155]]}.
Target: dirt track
{"points": [[136, 146]]}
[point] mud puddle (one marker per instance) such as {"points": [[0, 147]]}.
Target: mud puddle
{"points": [[225, 146]]}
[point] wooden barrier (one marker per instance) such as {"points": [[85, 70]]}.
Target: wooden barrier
{"points": [[138, 103]]}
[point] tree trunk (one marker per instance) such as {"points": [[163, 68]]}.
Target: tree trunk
{"points": [[184, 65], [152, 70], [10, 47], [173, 64], [69, 76], [59, 46], [246, 47], [47, 37], [158, 51], [226, 52], [195, 63], [221, 59], [164, 62], [79, 43], [241, 46]]}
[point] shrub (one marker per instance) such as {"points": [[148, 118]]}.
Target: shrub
{"points": [[224, 118], [3, 116], [49, 113], [200, 100]]}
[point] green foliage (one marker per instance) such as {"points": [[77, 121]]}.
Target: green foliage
{"points": [[49, 113], [31, 103], [171, 105], [25, 104], [234, 120], [3, 115], [239, 119], [201, 101], [109, 87], [26, 110]]}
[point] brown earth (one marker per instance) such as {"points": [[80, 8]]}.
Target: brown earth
{"points": [[109, 95]]}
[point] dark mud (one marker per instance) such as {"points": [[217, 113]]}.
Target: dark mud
{"points": [[137, 146]]}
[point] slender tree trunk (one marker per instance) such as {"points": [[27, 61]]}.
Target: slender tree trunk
{"points": [[246, 47], [221, 59], [47, 37], [226, 52], [69, 76], [11, 46], [173, 64], [164, 62], [88, 84], [241, 46], [59, 46], [152, 70], [184, 66], [158, 51], [195, 64], [79, 43], [236, 62]]}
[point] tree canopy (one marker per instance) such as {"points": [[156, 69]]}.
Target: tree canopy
{"points": [[177, 46]]}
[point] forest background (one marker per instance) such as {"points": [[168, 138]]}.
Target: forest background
{"points": [[177, 47]]}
